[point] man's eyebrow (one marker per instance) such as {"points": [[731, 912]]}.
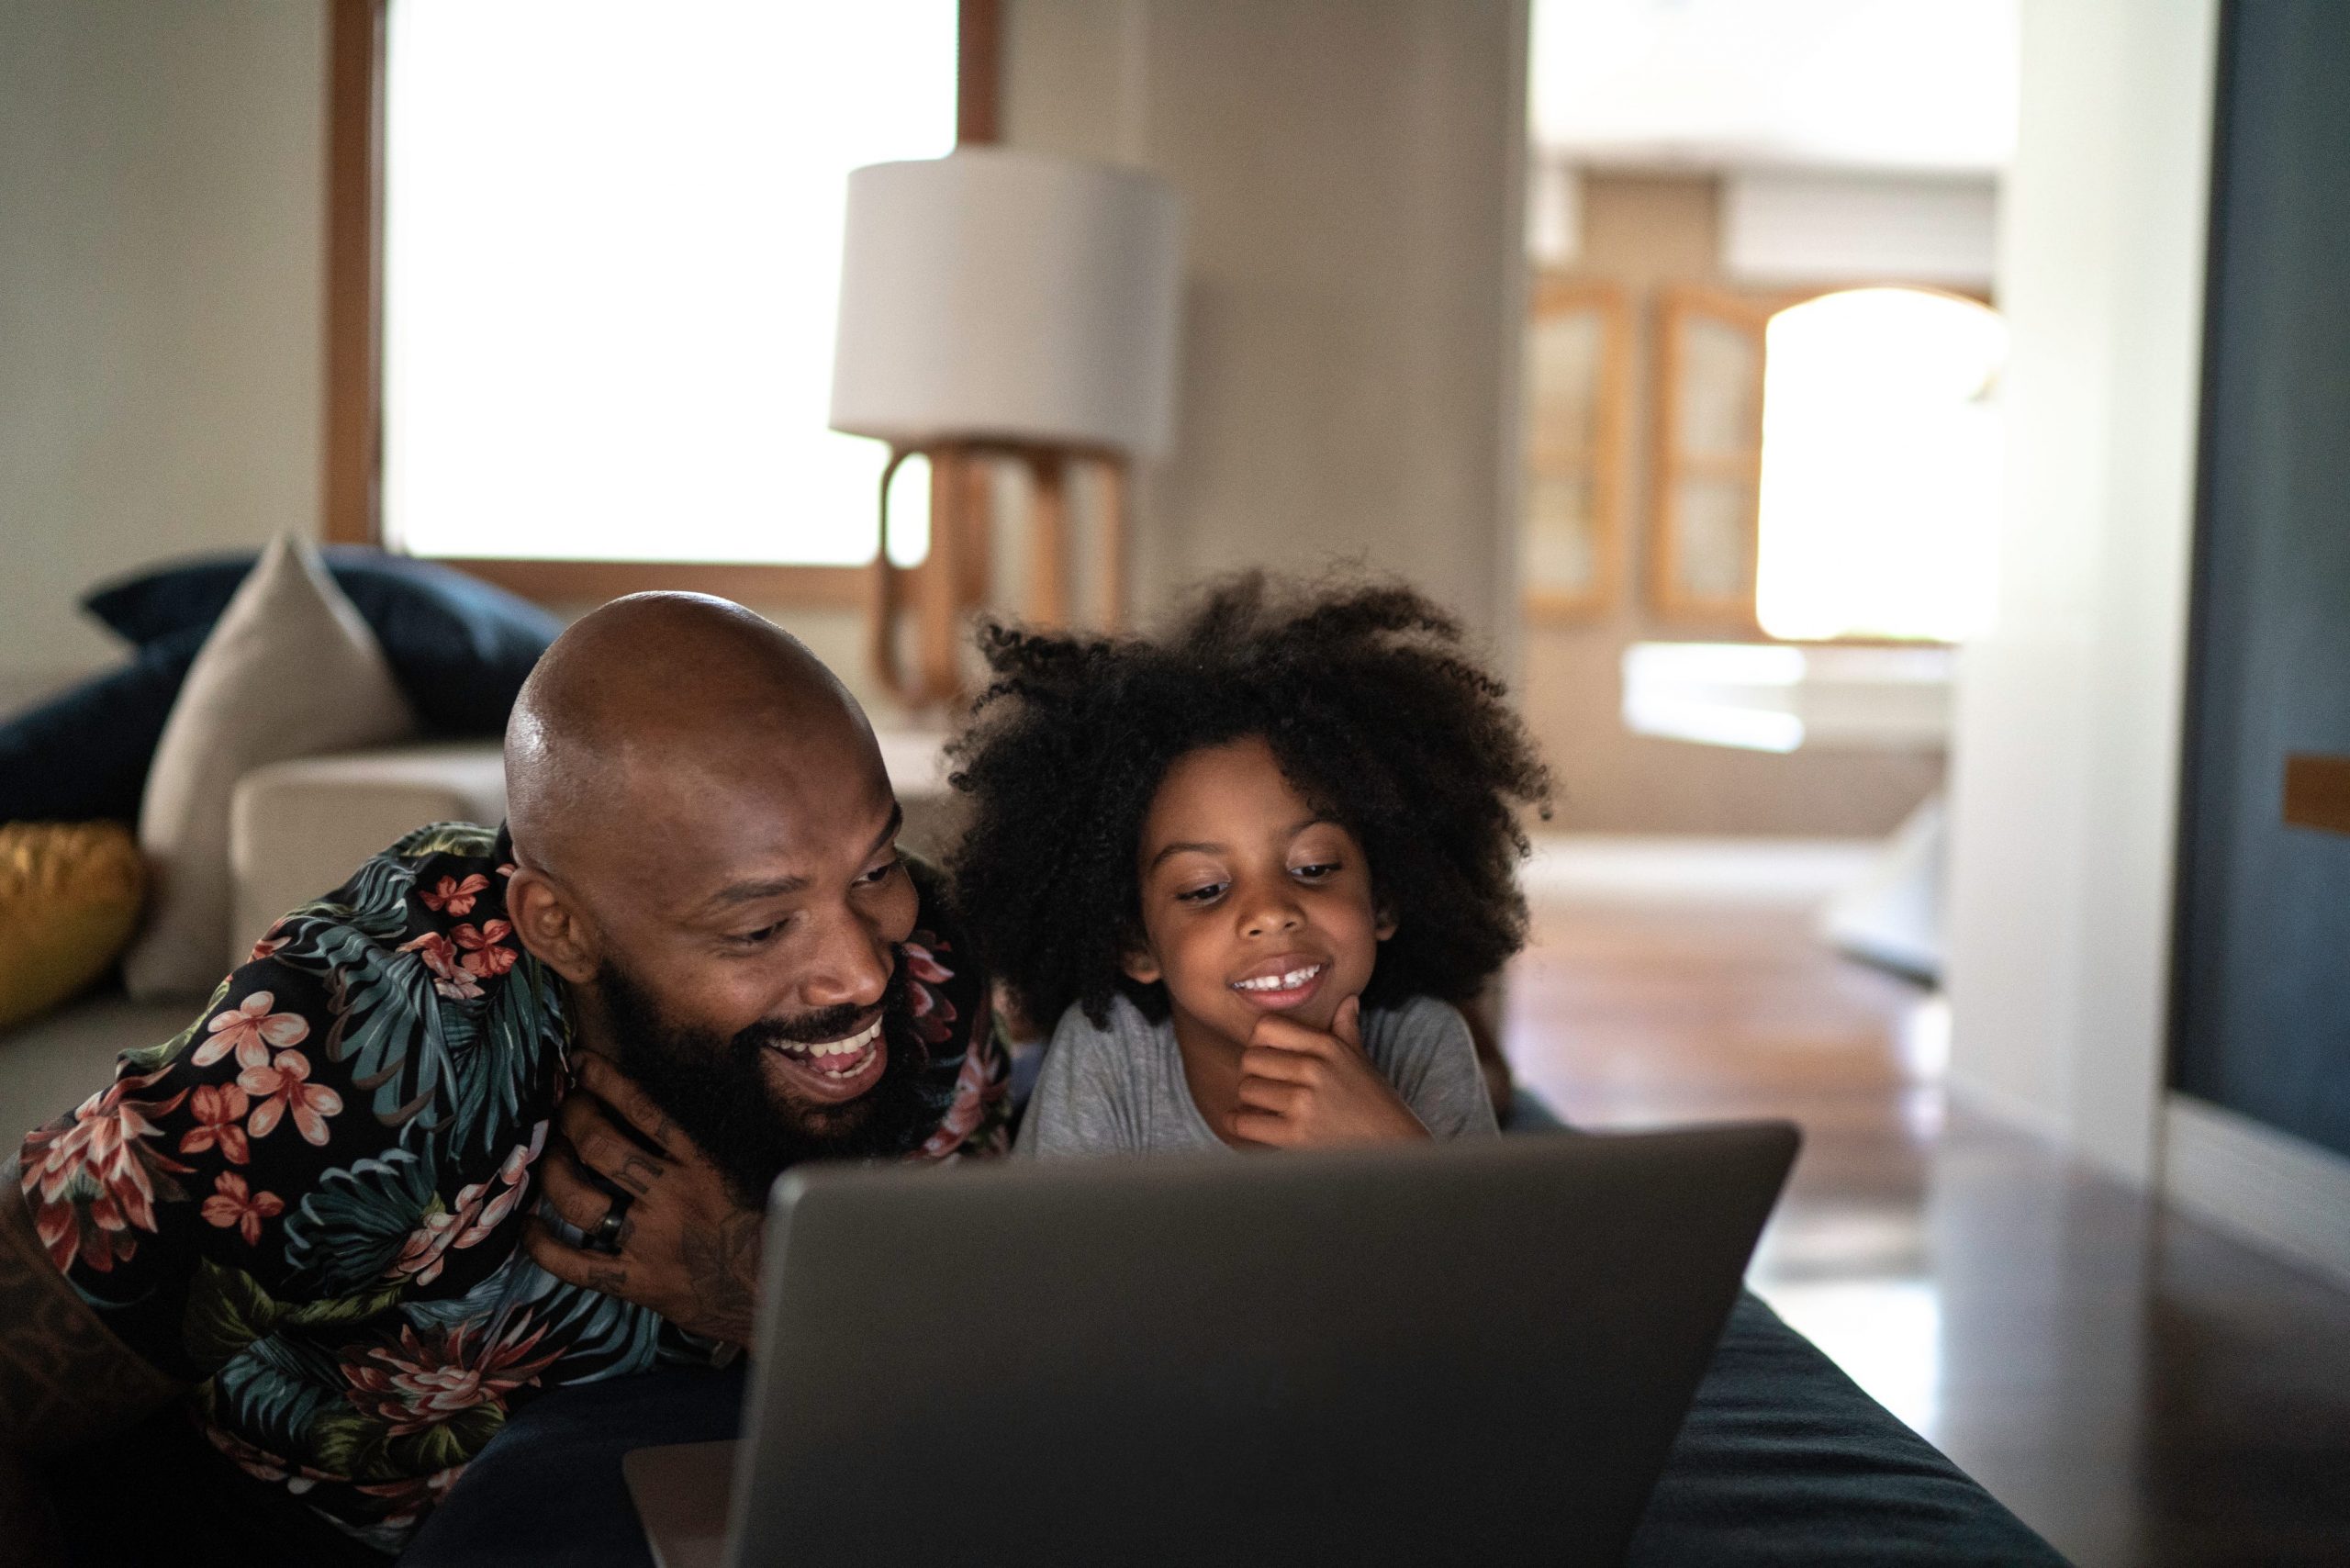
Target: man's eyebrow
{"points": [[777, 887], [896, 823], [751, 892]]}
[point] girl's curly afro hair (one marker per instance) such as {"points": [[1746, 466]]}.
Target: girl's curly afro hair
{"points": [[1375, 716]]}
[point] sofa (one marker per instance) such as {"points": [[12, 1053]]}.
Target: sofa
{"points": [[297, 829]]}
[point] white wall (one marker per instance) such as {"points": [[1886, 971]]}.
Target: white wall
{"points": [[161, 174], [1801, 226], [1354, 175], [2065, 771]]}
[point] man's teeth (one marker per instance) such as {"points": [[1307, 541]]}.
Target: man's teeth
{"points": [[1289, 981], [834, 1050]]}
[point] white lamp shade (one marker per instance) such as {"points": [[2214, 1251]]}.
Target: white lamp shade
{"points": [[999, 295]]}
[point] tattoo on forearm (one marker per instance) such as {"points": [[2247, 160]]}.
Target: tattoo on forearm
{"points": [[722, 1271], [63, 1378]]}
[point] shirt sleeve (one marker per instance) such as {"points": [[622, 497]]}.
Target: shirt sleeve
{"points": [[180, 1171], [951, 1002], [1082, 1106], [1424, 1048]]}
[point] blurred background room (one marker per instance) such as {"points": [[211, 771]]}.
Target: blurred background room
{"points": [[1894, 446]]}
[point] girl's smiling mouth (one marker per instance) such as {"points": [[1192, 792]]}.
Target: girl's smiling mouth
{"points": [[1278, 984]]}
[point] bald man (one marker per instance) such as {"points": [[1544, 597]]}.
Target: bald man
{"points": [[350, 1219]]}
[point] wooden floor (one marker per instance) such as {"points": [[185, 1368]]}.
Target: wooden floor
{"points": [[2139, 1388]]}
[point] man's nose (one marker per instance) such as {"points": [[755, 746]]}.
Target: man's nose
{"points": [[851, 969]]}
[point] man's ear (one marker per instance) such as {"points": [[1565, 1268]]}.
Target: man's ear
{"points": [[550, 926]]}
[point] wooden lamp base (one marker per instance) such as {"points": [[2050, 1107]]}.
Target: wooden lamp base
{"points": [[953, 579]]}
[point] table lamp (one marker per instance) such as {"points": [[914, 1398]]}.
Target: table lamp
{"points": [[998, 303]]}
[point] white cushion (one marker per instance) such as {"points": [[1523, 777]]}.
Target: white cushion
{"points": [[290, 670], [298, 830]]}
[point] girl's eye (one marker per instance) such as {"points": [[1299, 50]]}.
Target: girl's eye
{"points": [[1316, 872], [1200, 895]]}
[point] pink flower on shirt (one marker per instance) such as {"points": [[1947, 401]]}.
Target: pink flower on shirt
{"points": [[455, 897], [450, 977], [253, 1031], [218, 1109], [285, 1088], [232, 1202], [485, 953]]}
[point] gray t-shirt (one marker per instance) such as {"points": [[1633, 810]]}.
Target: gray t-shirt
{"points": [[1122, 1091]]}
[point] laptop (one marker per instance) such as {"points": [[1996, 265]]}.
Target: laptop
{"points": [[1470, 1352]]}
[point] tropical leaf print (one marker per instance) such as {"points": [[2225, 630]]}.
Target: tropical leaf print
{"points": [[227, 1310], [265, 1397], [149, 1059], [309, 1203], [349, 1232]]}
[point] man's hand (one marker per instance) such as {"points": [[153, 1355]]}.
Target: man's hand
{"points": [[685, 1248], [1303, 1089]]}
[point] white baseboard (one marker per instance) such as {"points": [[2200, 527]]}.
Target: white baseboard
{"points": [[2275, 1189]]}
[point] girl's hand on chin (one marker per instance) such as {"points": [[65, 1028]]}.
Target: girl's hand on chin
{"points": [[1303, 1088]]}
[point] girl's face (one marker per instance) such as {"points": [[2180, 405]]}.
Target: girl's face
{"points": [[1251, 903]]}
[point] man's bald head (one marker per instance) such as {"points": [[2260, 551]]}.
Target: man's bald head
{"points": [[650, 702], [707, 848]]}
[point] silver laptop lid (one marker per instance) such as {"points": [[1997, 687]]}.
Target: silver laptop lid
{"points": [[1478, 1352]]}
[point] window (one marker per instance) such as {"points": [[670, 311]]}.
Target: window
{"points": [[611, 254], [1880, 467]]}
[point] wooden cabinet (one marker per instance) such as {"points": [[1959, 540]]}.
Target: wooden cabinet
{"points": [[1706, 458], [1578, 411]]}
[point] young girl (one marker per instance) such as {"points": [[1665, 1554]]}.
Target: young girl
{"points": [[1249, 872]]}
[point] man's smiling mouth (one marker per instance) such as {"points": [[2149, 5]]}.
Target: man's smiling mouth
{"points": [[834, 1058], [833, 1071]]}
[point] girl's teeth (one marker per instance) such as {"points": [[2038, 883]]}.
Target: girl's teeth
{"points": [[1289, 981]]}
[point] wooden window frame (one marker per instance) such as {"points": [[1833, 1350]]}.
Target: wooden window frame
{"points": [[351, 484], [1607, 466]]}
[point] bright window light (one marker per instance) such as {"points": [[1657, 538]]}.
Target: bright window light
{"points": [[613, 239], [1881, 467]]}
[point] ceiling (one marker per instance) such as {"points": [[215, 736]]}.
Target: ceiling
{"points": [[1907, 85]]}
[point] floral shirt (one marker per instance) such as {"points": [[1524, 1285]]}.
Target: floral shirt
{"points": [[310, 1204]]}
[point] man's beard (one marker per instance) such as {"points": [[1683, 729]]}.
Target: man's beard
{"points": [[718, 1090]]}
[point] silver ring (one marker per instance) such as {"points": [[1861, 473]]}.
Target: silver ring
{"points": [[606, 1237]]}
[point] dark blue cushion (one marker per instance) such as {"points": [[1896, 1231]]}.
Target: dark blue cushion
{"points": [[460, 647], [84, 751]]}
